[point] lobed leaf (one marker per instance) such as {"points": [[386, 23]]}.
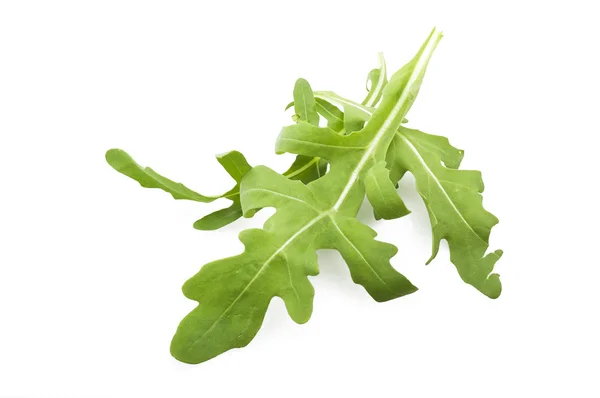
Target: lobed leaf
{"points": [[148, 178], [234, 293], [233, 162], [454, 202], [382, 193]]}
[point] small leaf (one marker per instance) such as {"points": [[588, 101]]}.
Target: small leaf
{"points": [[376, 81], [219, 218], [382, 193], [148, 178], [333, 115], [306, 169], [353, 120], [304, 103], [235, 164]]}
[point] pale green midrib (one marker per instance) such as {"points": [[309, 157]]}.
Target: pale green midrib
{"points": [[321, 145], [258, 273], [234, 164], [238, 169], [336, 98], [433, 177], [287, 263], [304, 101], [419, 68], [385, 200]]}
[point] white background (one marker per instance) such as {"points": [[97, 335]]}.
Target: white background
{"points": [[91, 264]]}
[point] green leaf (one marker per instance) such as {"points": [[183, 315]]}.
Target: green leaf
{"points": [[304, 103], [306, 169], [353, 120], [376, 81], [382, 193], [234, 293], [333, 115], [233, 162], [452, 197], [148, 178], [454, 202], [219, 218]]}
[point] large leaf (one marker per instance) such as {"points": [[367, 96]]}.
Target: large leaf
{"points": [[454, 202], [234, 293], [452, 197]]}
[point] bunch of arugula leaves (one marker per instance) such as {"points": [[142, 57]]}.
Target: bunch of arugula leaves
{"points": [[367, 150]]}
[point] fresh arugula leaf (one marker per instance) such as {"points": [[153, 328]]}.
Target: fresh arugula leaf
{"points": [[452, 197], [454, 202], [234, 293], [333, 115], [219, 218], [304, 103], [148, 178], [233, 162], [306, 169], [376, 81], [382, 193]]}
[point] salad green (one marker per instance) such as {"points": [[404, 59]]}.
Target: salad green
{"points": [[363, 151]]}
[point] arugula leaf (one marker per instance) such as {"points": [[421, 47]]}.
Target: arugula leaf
{"points": [[334, 116], [304, 103], [305, 168], [454, 202], [233, 162], [452, 197], [376, 81], [234, 293], [382, 193], [148, 178]]}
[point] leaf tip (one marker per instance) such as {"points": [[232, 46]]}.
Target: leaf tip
{"points": [[117, 158], [493, 286], [201, 225]]}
